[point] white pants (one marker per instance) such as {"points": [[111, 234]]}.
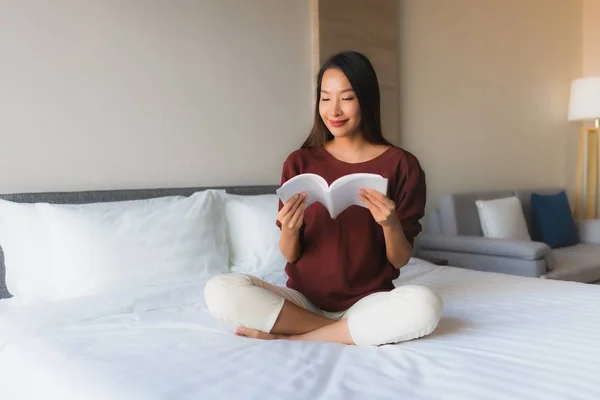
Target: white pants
{"points": [[405, 313]]}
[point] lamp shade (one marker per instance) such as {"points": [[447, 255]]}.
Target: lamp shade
{"points": [[584, 101]]}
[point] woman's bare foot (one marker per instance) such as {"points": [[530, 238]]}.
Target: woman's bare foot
{"points": [[296, 323], [337, 332], [256, 334]]}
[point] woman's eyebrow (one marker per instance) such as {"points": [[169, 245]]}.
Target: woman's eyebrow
{"points": [[341, 91]]}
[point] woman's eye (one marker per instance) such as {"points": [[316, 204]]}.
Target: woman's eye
{"points": [[324, 99], [348, 98]]}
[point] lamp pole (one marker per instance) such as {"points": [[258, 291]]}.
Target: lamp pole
{"points": [[586, 186]]}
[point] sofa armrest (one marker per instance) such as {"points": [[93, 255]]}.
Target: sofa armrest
{"points": [[589, 231], [520, 249]]}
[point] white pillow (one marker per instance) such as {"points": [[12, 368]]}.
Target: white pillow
{"points": [[26, 248], [252, 232], [25, 241], [503, 218], [85, 249]]}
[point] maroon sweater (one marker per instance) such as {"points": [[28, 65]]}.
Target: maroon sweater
{"points": [[344, 259]]}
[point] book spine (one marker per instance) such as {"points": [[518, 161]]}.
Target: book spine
{"points": [[330, 203]]}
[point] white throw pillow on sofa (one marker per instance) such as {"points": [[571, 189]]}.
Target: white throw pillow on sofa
{"points": [[85, 249], [253, 235], [503, 218]]}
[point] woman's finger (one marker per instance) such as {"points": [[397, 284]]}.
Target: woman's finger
{"points": [[297, 213], [379, 197], [301, 219], [370, 205], [377, 194], [380, 200], [291, 205], [376, 204], [294, 207], [287, 205]]}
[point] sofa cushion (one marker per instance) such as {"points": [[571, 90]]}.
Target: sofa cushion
{"points": [[579, 263], [524, 196], [552, 221], [458, 212], [502, 218], [434, 222]]}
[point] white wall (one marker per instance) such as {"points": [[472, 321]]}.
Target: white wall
{"points": [[591, 37], [151, 93], [484, 91]]}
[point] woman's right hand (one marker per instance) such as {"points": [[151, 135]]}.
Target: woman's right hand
{"points": [[291, 215]]}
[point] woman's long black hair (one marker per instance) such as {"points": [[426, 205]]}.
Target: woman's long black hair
{"points": [[360, 73]]}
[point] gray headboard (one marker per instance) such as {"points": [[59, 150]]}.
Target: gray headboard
{"points": [[114, 195]]}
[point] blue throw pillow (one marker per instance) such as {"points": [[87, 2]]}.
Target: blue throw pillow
{"points": [[552, 221]]}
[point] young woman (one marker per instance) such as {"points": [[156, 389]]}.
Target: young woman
{"points": [[340, 271]]}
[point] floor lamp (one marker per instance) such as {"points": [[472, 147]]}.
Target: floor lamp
{"points": [[584, 106]]}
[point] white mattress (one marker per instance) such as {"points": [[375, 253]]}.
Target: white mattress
{"points": [[501, 337]]}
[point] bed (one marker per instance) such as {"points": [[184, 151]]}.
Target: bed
{"points": [[500, 337]]}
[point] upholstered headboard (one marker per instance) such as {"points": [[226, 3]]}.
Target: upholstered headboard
{"points": [[114, 195]]}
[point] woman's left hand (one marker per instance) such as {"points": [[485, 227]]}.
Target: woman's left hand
{"points": [[382, 208]]}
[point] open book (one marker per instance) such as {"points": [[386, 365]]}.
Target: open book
{"points": [[342, 193]]}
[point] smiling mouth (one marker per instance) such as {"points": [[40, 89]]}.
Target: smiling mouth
{"points": [[337, 124]]}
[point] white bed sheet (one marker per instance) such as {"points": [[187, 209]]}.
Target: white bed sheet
{"points": [[501, 337]]}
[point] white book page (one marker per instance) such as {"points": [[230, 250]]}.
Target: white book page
{"points": [[345, 191], [313, 185]]}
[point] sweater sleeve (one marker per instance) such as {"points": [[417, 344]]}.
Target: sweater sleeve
{"points": [[410, 197]]}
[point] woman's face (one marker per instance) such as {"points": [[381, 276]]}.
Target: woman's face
{"points": [[339, 106]]}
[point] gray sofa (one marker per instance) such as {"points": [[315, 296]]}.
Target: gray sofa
{"points": [[454, 233]]}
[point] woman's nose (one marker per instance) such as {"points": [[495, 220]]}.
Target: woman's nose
{"points": [[335, 108]]}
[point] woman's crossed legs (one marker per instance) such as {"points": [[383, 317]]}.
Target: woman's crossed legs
{"points": [[265, 311]]}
